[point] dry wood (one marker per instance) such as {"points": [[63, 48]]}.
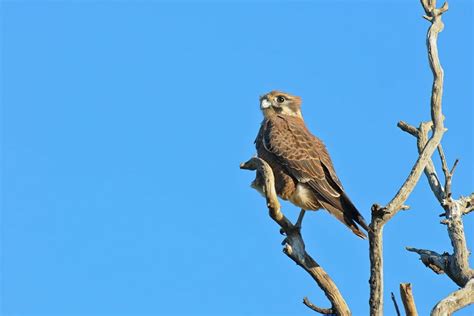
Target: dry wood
{"points": [[422, 138], [381, 215], [324, 311], [455, 265], [407, 299], [455, 301], [294, 246]]}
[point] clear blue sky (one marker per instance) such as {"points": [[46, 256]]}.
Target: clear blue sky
{"points": [[124, 123]]}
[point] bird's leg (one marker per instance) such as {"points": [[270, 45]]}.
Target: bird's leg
{"points": [[300, 219], [297, 224]]}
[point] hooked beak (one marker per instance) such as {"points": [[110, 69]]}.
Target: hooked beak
{"points": [[265, 104]]}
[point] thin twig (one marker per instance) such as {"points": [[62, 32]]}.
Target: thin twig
{"points": [[394, 300], [454, 167], [323, 311]]}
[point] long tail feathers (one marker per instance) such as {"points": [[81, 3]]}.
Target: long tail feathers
{"points": [[349, 216]]}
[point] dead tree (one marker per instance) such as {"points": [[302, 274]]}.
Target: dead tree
{"points": [[455, 265]]}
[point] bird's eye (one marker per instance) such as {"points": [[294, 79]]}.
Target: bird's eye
{"points": [[280, 99]]}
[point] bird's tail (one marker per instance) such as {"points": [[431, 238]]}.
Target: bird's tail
{"points": [[349, 216], [354, 216]]}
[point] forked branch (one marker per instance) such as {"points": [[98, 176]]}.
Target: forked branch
{"points": [[382, 214], [455, 265]]}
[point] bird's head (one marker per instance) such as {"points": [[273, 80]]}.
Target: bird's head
{"points": [[277, 102]]}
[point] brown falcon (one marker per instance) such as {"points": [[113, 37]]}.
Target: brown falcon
{"points": [[304, 173]]}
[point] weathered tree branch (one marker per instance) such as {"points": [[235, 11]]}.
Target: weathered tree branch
{"points": [[455, 265], [433, 260], [408, 300], [458, 262], [294, 246], [381, 215], [468, 203], [455, 301], [421, 133], [324, 311]]}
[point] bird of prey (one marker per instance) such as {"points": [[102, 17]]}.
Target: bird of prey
{"points": [[304, 173]]}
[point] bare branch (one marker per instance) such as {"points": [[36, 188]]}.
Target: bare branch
{"points": [[270, 194], [455, 301], [294, 246], [430, 170], [394, 300], [455, 265], [449, 179], [448, 175], [444, 163], [432, 259], [459, 270], [407, 299], [408, 128], [404, 192], [376, 262], [454, 167], [468, 211], [468, 204], [421, 133], [444, 8], [436, 112], [380, 215], [324, 311]]}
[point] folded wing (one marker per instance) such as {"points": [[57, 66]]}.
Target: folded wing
{"points": [[305, 158]]}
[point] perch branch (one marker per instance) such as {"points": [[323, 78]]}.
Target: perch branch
{"points": [[294, 246], [381, 215], [408, 300]]}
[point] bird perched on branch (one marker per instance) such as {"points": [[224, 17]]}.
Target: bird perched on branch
{"points": [[304, 173]]}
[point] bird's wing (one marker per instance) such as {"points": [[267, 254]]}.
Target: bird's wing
{"points": [[305, 157]]}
